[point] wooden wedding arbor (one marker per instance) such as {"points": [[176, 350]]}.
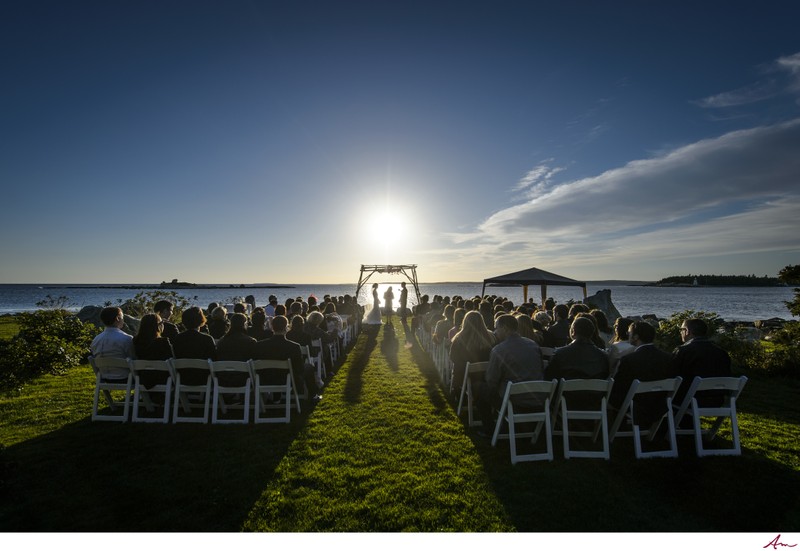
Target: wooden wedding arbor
{"points": [[408, 270], [531, 276]]}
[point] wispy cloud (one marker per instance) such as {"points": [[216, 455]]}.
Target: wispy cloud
{"points": [[747, 94], [538, 179], [735, 193], [776, 84]]}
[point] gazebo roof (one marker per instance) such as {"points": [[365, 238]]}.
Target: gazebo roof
{"points": [[531, 276]]}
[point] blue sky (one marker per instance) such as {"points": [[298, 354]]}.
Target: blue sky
{"points": [[291, 142]]}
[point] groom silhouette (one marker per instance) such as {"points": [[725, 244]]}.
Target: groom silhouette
{"points": [[403, 302]]}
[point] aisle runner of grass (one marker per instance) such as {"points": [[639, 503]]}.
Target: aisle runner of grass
{"points": [[383, 451]]}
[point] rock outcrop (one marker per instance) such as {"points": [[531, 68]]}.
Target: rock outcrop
{"points": [[602, 301]]}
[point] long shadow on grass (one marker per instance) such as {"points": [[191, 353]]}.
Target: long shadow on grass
{"points": [[712, 494], [97, 477], [389, 347], [428, 370], [358, 363]]}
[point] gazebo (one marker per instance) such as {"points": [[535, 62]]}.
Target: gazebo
{"points": [[531, 276]]}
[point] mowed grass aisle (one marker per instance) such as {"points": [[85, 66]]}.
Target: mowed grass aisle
{"points": [[382, 452]]}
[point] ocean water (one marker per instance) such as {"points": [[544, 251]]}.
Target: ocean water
{"points": [[730, 303]]}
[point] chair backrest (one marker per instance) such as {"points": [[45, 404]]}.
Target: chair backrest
{"points": [[110, 368], [226, 366], [261, 366], [544, 388], [471, 367], [667, 386], [725, 388], [191, 363], [582, 394], [230, 373], [137, 366]]}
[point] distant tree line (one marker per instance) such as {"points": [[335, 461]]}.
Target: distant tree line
{"points": [[732, 280]]}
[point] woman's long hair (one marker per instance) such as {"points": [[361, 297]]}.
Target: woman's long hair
{"points": [[149, 329], [474, 336]]}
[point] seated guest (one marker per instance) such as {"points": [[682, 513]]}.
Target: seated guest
{"points": [[113, 342], [526, 329], [269, 309], [514, 359], [297, 333], [151, 345], [557, 333], [258, 325], [580, 359], [619, 346], [149, 342], [164, 309], [240, 308], [458, 320], [596, 338], [191, 343], [646, 363], [219, 324], [278, 347], [699, 357], [600, 319], [543, 318], [575, 309], [473, 343], [444, 325], [295, 309], [314, 327], [236, 345], [333, 321]]}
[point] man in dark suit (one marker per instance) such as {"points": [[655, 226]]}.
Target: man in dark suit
{"points": [[278, 347], [580, 359], [646, 363], [558, 333], [699, 357], [164, 308]]}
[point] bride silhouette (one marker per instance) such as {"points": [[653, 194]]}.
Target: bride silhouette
{"points": [[373, 317]]}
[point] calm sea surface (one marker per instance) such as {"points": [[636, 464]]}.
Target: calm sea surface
{"points": [[730, 303]]}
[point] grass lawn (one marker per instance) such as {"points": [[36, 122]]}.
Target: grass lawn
{"points": [[382, 452], [8, 327]]}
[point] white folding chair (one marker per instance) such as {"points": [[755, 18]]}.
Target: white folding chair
{"points": [[727, 390], [625, 425], [112, 375], [466, 390], [192, 389], [232, 379], [543, 392], [155, 370], [317, 360], [312, 361], [267, 393], [583, 391]]}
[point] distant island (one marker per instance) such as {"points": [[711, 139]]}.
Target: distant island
{"points": [[718, 281]]}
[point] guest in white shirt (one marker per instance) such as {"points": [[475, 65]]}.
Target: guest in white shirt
{"points": [[113, 341], [619, 346]]}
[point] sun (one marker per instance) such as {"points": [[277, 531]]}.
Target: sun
{"points": [[390, 225]]}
